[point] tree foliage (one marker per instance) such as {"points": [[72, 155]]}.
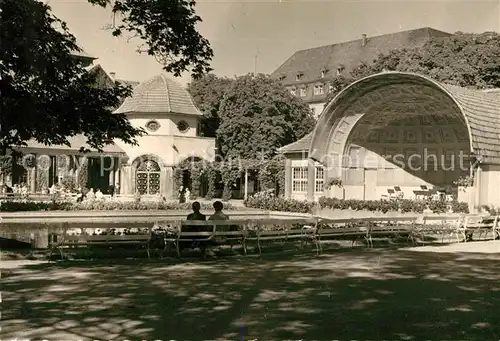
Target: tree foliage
{"points": [[5, 164], [208, 92], [467, 60], [258, 115], [168, 29], [47, 95]]}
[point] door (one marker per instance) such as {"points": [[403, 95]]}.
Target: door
{"points": [[370, 183]]}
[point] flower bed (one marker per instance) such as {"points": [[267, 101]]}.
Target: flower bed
{"points": [[28, 205], [269, 202]]}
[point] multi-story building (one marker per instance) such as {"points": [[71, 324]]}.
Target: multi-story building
{"points": [[308, 73]]}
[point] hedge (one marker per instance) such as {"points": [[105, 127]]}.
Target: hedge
{"points": [[97, 205], [269, 202]]}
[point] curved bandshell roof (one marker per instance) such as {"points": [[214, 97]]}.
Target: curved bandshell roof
{"points": [[159, 94], [479, 110]]}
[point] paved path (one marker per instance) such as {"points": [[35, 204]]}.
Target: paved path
{"points": [[489, 246], [12, 264], [346, 295]]}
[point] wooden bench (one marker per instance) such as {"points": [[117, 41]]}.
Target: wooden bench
{"points": [[479, 224], [108, 237], [301, 229], [390, 226], [242, 231], [364, 228], [211, 231], [354, 229], [435, 225]]}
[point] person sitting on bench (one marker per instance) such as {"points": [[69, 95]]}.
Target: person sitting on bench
{"points": [[196, 215], [218, 214]]}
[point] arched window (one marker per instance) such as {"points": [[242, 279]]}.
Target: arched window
{"points": [[148, 177]]}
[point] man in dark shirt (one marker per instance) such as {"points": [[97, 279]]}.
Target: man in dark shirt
{"points": [[196, 215]]}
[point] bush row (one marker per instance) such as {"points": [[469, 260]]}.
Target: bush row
{"points": [[268, 202], [97, 205], [403, 205]]}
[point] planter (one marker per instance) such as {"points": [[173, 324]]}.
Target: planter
{"points": [[352, 214]]}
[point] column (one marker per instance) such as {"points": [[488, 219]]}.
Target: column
{"points": [[169, 183], [310, 180], [477, 187], [164, 182], [77, 177], [126, 180], [288, 178], [326, 166], [246, 183], [111, 178], [118, 180], [32, 175]]}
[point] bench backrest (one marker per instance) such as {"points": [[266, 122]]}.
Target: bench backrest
{"points": [[391, 220], [444, 220], [243, 222], [106, 238], [481, 222]]}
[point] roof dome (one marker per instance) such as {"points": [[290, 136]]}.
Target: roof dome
{"points": [[159, 95]]}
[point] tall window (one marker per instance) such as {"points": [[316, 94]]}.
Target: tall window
{"points": [[318, 89], [299, 179], [148, 177], [293, 91], [319, 179], [302, 92]]}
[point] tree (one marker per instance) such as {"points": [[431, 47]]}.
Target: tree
{"points": [[258, 115], [208, 92], [5, 165], [467, 60], [168, 29], [47, 95]]}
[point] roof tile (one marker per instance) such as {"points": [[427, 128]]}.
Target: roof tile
{"points": [[349, 55], [298, 146], [482, 110], [159, 95]]}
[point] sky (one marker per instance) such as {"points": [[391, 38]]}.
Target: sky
{"points": [[249, 36]]}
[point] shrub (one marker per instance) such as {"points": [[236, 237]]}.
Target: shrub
{"points": [[28, 205], [69, 183], [98, 205], [267, 201], [459, 207], [438, 206]]}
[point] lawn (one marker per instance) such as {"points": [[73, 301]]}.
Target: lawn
{"points": [[344, 295]]}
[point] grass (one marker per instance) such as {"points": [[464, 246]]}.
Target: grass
{"points": [[354, 294]]}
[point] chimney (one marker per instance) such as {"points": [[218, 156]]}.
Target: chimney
{"points": [[364, 39], [112, 75]]}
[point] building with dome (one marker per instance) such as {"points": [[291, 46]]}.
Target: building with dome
{"points": [[163, 108], [167, 112]]}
